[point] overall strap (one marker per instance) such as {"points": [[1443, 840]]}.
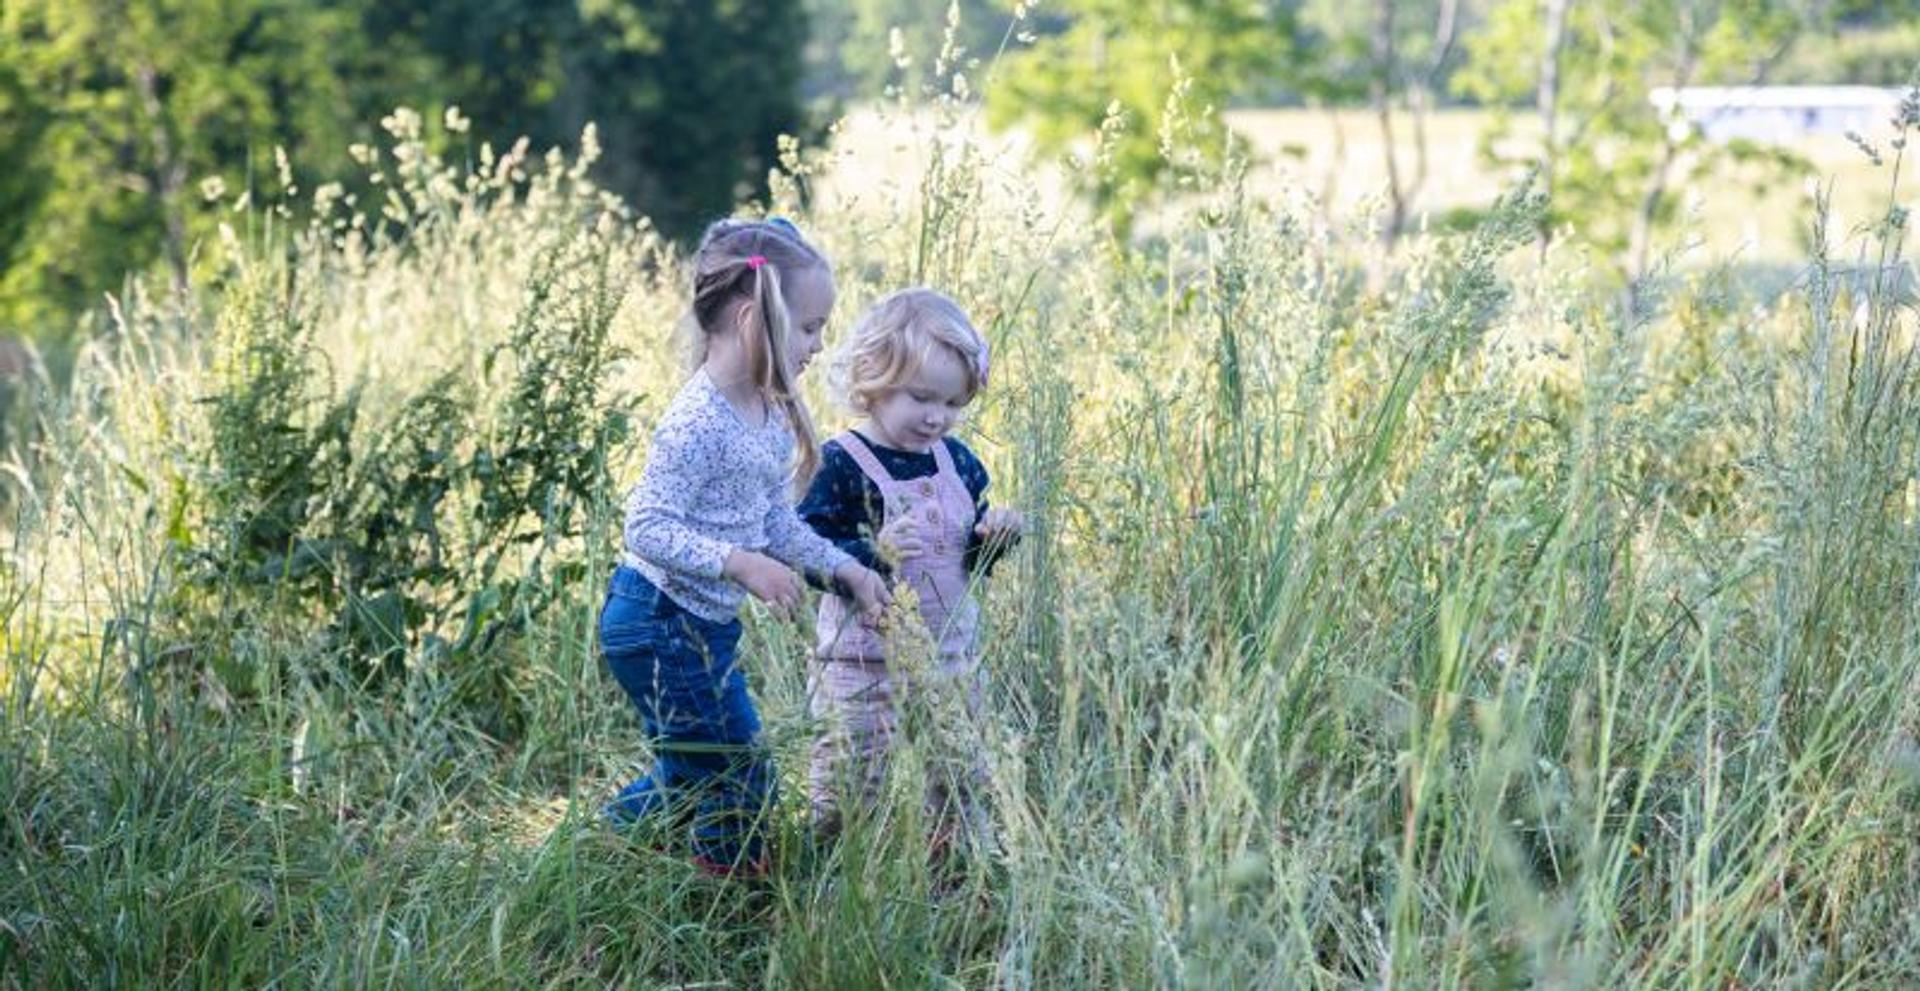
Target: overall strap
{"points": [[862, 455], [944, 459]]}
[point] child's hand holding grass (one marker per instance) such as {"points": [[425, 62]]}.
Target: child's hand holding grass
{"points": [[868, 589], [1000, 526], [900, 539]]}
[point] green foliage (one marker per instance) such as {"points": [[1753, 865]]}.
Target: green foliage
{"points": [[691, 100], [853, 42], [22, 189], [1609, 154], [130, 105], [1866, 56], [1334, 60], [1138, 74], [125, 109], [1464, 627]]}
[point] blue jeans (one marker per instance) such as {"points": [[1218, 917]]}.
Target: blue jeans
{"points": [[710, 773]]}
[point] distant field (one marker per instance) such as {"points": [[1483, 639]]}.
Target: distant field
{"points": [[1336, 156], [1731, 216]]}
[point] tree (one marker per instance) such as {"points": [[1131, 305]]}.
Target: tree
{"points": [[1605, 156], [689, 97], [1130, 57], [23, 188], [124, 107], [117, 111], [854, 41], [1392, 55]]}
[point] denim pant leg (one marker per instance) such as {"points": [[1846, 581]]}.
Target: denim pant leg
{"points": [[730, 818], [633, 639], [679, 671]]}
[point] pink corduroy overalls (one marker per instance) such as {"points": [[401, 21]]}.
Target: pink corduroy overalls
{"points": [[857, 695]]}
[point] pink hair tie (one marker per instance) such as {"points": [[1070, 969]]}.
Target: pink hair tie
{"points": [[755, 261]]}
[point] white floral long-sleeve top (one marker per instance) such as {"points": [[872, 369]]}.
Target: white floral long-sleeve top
{"points": [[714, 483]]}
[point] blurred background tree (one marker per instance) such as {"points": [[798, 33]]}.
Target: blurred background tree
{"points": [[1115, 67], [113, 113], [856, 44], [1394, 57], [122, 107], [689, 97], [1605, 156]]}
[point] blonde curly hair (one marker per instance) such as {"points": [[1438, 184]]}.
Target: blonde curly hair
{"points": [[893, 338]]}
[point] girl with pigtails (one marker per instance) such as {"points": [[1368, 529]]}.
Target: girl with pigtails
{"points": [[711, 521]]}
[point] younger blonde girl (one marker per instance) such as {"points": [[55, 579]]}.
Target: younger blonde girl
{"points": [[902, 496]]}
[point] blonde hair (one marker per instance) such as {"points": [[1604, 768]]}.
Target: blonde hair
{"points": [[892, 340], [745, 262]]}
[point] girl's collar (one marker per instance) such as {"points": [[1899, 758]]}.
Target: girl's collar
{"points": [[867, 439], [739, 415]]}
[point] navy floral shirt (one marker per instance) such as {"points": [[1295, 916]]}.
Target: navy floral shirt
{"points": [[844, 506]]}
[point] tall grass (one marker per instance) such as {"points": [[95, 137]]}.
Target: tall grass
{"points": [[1461, 626]]}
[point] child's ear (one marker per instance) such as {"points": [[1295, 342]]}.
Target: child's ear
{"points": [[743, 313]]}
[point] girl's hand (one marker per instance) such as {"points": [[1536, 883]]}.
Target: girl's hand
{"points": [[768, 580], [868, 589], [900, 539], [1000, 526]]}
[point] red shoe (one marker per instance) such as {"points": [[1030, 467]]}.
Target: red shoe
{"points": [[747, 871]]}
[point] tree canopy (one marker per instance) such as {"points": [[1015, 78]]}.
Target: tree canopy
{"points": [[117, 112]]}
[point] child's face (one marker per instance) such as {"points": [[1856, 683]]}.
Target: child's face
{"points": [[809, 298], [916, 415]]}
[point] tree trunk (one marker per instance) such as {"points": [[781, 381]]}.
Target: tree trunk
{"points": [[1547, 99], [1640, 239], [1421, 98], [1381, 91], [169, 174]]}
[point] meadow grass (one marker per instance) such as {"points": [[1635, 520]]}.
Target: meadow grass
{"points": [[1469, 626]]}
